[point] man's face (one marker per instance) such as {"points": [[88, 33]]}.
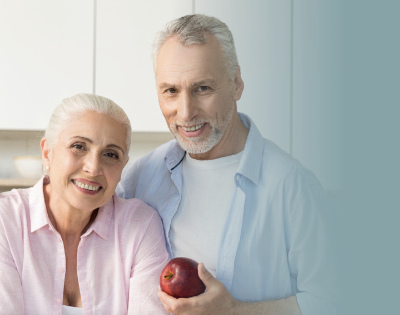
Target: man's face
{"points": [[196, 96]]}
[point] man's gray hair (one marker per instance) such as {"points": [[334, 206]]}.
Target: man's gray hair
{"points": [[70, 109], [193, 29]]}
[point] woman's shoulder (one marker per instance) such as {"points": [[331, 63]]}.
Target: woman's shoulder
{"points": [[135, 219], [14, 202], [14, 212], [133, 209]]}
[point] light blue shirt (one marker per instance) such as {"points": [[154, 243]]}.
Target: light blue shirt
{"points": [[275, 242]]}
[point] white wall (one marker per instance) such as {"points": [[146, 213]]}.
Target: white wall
{"points": [[288, 53]]}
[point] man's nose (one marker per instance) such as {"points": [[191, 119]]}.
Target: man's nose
{"points": [[93, 164], [187, 107]]}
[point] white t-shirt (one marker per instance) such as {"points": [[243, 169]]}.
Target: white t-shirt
{"points": [[196, 228], [70, 310]]}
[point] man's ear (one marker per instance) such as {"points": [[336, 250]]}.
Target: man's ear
{"points": [[238, 84], [46, 153]]}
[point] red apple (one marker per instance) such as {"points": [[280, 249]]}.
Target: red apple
{"points": [[180, 278]]}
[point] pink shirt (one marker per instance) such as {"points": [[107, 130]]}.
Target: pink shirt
{"points": [[120, 258]]}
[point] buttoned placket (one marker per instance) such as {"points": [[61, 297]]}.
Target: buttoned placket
{"points": [[231, 235], [59, 274], [82, 276]]}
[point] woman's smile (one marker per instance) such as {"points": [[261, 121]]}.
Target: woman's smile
{"points": [[87, 186]]}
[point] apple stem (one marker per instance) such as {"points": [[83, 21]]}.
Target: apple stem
{"points": [[168, 276]]}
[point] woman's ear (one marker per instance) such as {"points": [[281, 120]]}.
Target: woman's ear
{"points": [[46, 153], [127, 160]]}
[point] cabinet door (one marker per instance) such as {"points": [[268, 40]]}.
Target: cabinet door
{"points": [[262, 33], [124, 69], [46, 55]]}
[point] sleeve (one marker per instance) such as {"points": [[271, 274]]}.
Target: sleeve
{"points": [[310, 247], [125, 187], [150, 259], [11, 295]]}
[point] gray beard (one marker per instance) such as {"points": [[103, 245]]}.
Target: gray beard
{"points": [[198, 145]]}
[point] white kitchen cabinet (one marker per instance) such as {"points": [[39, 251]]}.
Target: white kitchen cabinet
{"points": [[46, 54], [124, 71], [262, 33]]}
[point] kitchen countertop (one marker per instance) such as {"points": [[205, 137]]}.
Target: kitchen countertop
{"points": [[7, 184]]}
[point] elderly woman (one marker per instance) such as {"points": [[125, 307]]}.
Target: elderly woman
{"points": [[68, 245]]}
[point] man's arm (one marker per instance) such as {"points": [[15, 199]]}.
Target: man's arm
{"points": [[218, 300]]}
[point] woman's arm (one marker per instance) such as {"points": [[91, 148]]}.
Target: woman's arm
{"points": [[11, 295], [150, 259]]}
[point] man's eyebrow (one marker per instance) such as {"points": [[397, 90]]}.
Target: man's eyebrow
{"points": [[204, 82], [166, 85], [90, 141], [198, 83]]}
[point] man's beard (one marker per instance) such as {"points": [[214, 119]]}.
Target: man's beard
{"points": [[196, 145]]}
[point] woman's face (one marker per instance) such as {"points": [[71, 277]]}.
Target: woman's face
{"points": [[87, 161]]}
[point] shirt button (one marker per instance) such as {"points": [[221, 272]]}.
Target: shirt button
{"points": [[58, 300], [61, 270]]}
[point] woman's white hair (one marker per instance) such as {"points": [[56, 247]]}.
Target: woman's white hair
{"points": [[193, 29], [72, 106]]}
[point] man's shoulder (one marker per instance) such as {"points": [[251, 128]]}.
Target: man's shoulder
{"points": [[279, 165], [160, 153], [150, 170]]}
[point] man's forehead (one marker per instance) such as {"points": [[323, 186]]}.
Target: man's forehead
{"points": [[174, 51]]}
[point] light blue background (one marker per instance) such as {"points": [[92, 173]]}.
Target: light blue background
{"points": [[368, 217]]}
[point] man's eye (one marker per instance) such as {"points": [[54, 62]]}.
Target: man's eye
{"points": [[171, 90], [203, 88]]}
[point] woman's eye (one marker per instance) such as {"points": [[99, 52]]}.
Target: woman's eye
{"points": [[111, 155], [76, 147]]}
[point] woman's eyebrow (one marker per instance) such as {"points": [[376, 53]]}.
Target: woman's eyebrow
{"points": [[91, 141], [115, 147], [81, 138]]}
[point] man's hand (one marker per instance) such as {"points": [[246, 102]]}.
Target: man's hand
{"points": [[216, 300]]}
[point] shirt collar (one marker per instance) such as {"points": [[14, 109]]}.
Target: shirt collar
{"points": [[37, 206], [174, 156], [101, 224], [40, 218], [251, 160]]}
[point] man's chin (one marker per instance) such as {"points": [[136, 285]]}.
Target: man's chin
{"points": [[194, 148]]}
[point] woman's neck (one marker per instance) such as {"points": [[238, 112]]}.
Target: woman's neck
{"points": [[71, 223]]}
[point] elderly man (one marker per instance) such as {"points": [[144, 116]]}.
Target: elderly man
{"points": [[228, 197]]}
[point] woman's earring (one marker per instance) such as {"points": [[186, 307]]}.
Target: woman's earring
{"points": [[47, 167]]}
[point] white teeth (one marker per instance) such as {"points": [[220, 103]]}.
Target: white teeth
{"points": [[194, 128], [86, 186]]}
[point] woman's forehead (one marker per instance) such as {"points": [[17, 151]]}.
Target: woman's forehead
{"points": [[95, 127]]}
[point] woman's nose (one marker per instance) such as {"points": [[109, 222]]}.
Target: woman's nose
{"points": [[92, 165]]}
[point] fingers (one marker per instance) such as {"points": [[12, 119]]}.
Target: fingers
{"points": [[181, 306], [167, 301], [205, 275]]}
